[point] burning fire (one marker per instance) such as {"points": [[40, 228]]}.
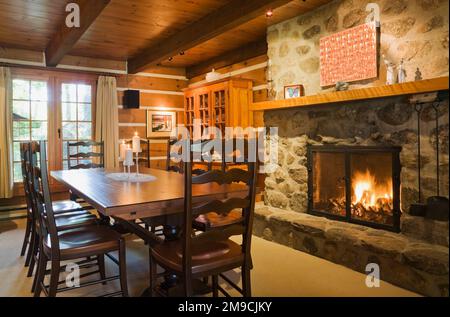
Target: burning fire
{"points": [[369, 193]]}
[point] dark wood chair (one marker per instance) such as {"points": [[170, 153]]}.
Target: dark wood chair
{"points": [[210, 253], [172, 166], [93, 158], [68, 245], [144, 156], [68, 214]]}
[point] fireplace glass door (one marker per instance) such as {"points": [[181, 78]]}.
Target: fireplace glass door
{"points": [[355, 184]]}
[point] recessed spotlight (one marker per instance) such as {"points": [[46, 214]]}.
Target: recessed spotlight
{"points": [[170, 59], [182, 53], [269, 13]]}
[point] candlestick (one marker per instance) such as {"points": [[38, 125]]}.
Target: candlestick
{"points": [[137, 165], [136, 143], [128, 157], [122, 150]]}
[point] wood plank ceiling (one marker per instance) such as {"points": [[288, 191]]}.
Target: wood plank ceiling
{"points": [[126, 28]]}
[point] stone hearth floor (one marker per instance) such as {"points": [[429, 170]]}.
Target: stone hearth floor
{"points": [[404, 261]]}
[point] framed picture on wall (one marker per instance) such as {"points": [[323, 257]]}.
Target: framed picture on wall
{"points": [[160, 124], [293, 91]]}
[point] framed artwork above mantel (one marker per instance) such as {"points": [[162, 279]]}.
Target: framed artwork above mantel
{"points": [[160, 124]]}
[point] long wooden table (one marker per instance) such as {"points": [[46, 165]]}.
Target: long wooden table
{"points": [[130, 201], [127, 202]]}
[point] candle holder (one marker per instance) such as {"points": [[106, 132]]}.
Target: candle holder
{"points": [[137, 164]]}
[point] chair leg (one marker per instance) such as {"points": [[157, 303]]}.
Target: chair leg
{"points": [[188, 291], [215, 285], [33, 237], [101, 266], [152, 270], [54, 278], [26, 239], [123, 268], [34, 252], [40, 275], [246, 284]]}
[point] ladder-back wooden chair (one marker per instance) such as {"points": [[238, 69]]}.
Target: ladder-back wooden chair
{"points": [[68, 214], [93, 157], [210, 253], [68, 245]]}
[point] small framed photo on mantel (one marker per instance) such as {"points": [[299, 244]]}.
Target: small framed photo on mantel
{"points": [[293, 91], [160, 124]]}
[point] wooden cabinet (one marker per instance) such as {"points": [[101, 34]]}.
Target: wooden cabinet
{"points": [[221, 104]]}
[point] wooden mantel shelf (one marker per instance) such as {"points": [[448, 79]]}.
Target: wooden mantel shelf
{"points": [[409, 88]]}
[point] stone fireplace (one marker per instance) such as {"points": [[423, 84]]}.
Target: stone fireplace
{"points": [[358, 184], [353, 148]]}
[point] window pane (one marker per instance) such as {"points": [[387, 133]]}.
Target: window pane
{"points": [[18, 173], [69, 92], [21, 89], [21, 110], [84, 131], [38, 110], [69, 131], [69, 111], [21, 130], [64, 150], [39, 90], [38, 130], [84, 112], [65, 165], [84, 93], [16, 151], [84, 149]]}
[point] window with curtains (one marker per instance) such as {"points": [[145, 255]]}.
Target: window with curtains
{"points": [[76, 101], [55, 107], [30, 104]]}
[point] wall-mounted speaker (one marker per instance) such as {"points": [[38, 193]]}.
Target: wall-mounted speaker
{"points": [[131, 99]]}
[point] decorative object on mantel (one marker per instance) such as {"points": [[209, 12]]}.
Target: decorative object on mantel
{"points": [[212, 76], [418, 74], [390, 74], [350, 55], [293, 91], [342, 86], [401, 73]]}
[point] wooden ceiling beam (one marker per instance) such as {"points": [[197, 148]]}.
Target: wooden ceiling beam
{"points": [[65, 38], [232, 15], [240, 54]]}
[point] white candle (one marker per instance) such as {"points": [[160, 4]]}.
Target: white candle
{"points": [[123, 149], [128, 157], [136, 143]]}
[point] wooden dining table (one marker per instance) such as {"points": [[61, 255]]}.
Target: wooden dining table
{"points": [[160, 201]]}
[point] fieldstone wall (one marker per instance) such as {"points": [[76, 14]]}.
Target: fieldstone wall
{"points": [[416, 30], [380, 122]]}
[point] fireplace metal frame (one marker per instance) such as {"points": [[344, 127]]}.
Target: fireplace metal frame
{"points": [[348, 151]]}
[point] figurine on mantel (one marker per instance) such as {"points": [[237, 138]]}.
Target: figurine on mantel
{"points": [[341, 86], [401, 73], [418, 74], [390, 74]]}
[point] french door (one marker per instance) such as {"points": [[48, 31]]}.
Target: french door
{"points": [[54, 107]]}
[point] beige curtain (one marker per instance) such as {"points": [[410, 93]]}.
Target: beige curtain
{"points": [[6, 160], [107, 119]]}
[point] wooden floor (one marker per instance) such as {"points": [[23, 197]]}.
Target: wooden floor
{"points": [[278, 271]]}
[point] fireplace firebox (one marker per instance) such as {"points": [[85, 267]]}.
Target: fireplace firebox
{"points": [[358, 184]]}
